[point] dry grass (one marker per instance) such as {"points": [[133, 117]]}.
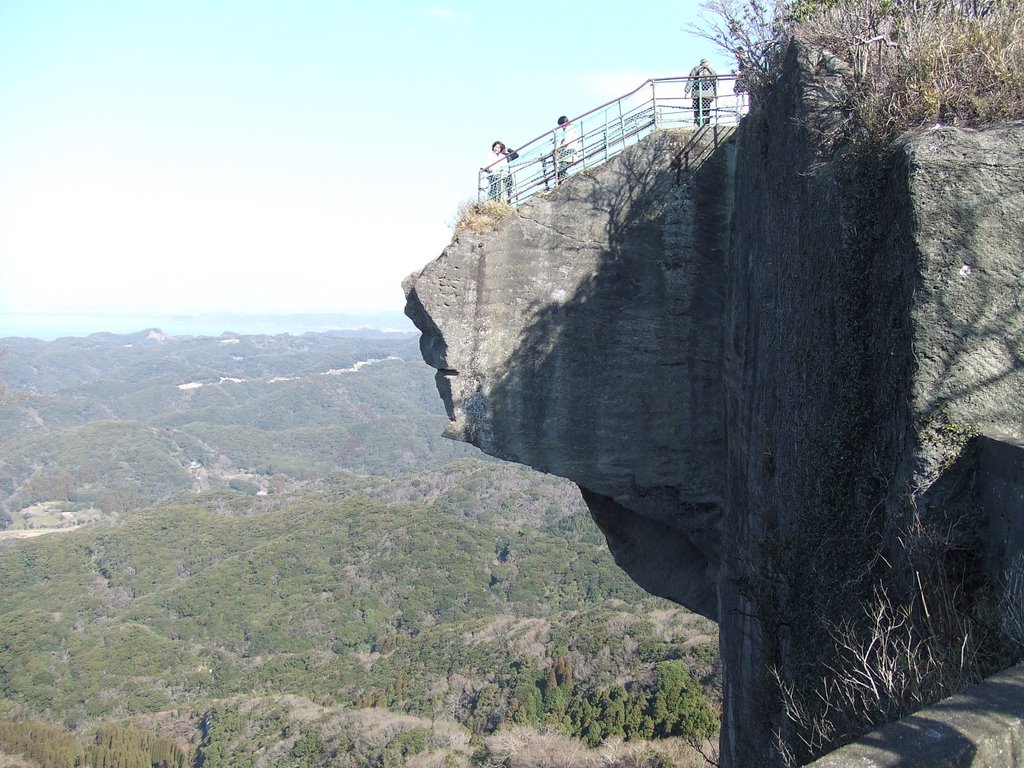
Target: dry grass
{"points": [[522, 747], [529, 637], [945, 62], [481, 217], [903, 657], [32, 532], [902, 64], [1011, 608]]}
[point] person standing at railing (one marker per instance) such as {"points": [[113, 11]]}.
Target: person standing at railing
{"points": [[703, 84], [498, 182], [567, 143]]}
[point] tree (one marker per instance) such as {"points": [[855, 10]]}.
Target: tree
{"points": [[308, 749], [753, 31], [613, 711], [679, 708]]}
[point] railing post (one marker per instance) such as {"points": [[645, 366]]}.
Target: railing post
{"points": [[581, 144], [605, 142], [654, 103], [622, 125], [554, 160], [554, 154]]}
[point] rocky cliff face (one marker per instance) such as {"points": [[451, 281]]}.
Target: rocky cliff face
{"points": [[583, 337], [758, 367], [875, 322]]}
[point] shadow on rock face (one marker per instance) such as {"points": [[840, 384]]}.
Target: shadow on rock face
{"points": [[584, 338]]}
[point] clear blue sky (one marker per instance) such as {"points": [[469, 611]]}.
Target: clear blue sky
{"points": [[279, 155]]}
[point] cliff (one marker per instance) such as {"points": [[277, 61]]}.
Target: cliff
{"points": [[762, 360], [583, 338]]}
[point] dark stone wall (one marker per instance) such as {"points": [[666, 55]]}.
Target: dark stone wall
{"points": [[1000, 482], [873, 326], [797, 383]]}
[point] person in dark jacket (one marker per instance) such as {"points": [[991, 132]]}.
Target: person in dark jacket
{"points": [[703, 84]]}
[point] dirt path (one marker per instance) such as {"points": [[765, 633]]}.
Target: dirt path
{"points": [[22, 534]]}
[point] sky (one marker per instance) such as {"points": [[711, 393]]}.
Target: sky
{"points": [[280, 156]]}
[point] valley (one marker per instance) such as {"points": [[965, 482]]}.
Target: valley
{"points": [[268, 556]]}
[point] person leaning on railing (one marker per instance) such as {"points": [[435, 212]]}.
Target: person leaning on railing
{"points": [[498, 181]]}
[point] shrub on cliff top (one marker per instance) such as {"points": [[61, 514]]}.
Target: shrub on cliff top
{"points": [[481, 217], [917, 64], [904, 64], [755, 30]]}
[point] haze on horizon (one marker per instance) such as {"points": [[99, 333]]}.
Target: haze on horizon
{"points": [[47, 326]]}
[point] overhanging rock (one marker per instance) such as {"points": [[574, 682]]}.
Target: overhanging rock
{"points": [[582, 336]]}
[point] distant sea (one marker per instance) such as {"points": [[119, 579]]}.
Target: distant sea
{"points": [[53, 326]]}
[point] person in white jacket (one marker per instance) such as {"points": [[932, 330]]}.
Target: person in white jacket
{"points": [[496, 168], [567, 144]]}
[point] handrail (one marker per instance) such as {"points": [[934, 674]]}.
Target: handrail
{"points": [[597, 109], [605, 131]]}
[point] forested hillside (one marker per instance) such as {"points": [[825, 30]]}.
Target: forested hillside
{"points": [[301, 573], [108, 424]]}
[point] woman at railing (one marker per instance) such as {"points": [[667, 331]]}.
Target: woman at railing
{"points": [[605, 131], [499, 185]]}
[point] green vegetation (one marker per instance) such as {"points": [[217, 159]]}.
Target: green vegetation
{"points": [[299, 573], [6, 393], [111, 747], [114, 427], [180, 603]]}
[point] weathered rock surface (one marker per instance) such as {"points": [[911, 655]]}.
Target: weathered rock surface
{"points": [[874, 323], [757, 370], [583, 337]]}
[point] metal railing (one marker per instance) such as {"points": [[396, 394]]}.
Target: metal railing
{"points": [[604, 132]]}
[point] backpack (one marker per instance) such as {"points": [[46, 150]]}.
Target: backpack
{"points": [[706, 84]]}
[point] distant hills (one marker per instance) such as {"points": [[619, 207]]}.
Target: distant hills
{"points": [[261, 552], [119, 421], [57, 325]]}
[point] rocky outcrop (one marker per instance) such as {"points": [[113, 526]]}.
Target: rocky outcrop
{"points": [[760, 365], [583, 337]]}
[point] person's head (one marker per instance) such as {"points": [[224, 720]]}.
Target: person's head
{"points": [[703, 62], [563, 120], [497, 147]]}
